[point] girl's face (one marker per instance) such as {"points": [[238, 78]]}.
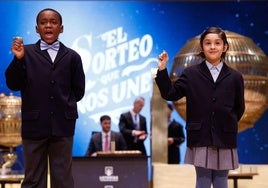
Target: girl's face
{"points": [[49, 26], [213, 47]]}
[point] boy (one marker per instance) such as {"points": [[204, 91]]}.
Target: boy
{"points": [[51, 80]]}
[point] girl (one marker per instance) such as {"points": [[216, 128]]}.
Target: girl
{"points": [[214, 102]]}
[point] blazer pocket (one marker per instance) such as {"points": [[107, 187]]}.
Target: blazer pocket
{"points": [[193, 126], [71, 115], [33, 115], [228, 99]]}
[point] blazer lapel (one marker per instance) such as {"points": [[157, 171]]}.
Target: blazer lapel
{"points": [[129, 118], [99, 138], [43, 53], [61, 53], [205, 71], [224, 72]]}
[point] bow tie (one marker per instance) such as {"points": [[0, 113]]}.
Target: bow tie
{"points": [[55, 46]]}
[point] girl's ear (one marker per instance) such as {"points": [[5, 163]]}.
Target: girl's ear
{"points": [[225, 48]]}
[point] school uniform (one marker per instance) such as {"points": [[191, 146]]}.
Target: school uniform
{"points": [[50, 91], [214, 106]]}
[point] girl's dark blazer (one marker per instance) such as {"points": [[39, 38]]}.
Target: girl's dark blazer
{"points": [[49, 91], [212, 109]]}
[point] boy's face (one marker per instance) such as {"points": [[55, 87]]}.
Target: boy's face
{"points": [[49, 26]]}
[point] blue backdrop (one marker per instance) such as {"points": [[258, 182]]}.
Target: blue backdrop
{"points": [[119, 42]]}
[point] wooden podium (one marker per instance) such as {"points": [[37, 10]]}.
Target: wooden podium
{"points": [[111, 170]]}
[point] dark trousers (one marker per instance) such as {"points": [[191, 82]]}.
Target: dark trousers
{"points": [[55, 153]]}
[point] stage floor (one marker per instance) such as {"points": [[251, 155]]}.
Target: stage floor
{"points": [[172, 176]]}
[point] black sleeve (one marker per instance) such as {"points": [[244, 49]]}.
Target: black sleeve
{"points": [[16, 75]]}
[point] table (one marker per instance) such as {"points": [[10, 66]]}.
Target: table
{"points": [[111, 171], [10, 179], [240, 175]]}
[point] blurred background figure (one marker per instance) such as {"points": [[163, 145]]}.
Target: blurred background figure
{"points": [[175, 137], [101, 141], [132, 125]]}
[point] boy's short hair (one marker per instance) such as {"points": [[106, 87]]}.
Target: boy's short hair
{"points": [[37, 17]]}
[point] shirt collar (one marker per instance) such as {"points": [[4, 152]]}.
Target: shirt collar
{"points": [[104, 133], [133, 113], [218, 67]]}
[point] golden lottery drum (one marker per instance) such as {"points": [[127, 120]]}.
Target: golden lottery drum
{"points": [[243, 55]]}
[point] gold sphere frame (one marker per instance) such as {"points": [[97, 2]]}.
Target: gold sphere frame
{"points": [[243, 55]]}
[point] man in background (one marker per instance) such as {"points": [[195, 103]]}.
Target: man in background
{"points": [[175, 137], [101, 141], [132, 125]]}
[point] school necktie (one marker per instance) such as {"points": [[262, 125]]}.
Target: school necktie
{"points": [[106, 144], [55, 46]]}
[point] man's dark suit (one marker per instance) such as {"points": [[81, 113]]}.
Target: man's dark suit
{"points": [[126, 126], [175, 130], [95, 143]]}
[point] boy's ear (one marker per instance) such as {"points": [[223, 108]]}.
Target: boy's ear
{"points": [[36, 29], [61, 28]]}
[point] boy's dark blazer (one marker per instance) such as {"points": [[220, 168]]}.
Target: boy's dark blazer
{"points": [[49, 91]]}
